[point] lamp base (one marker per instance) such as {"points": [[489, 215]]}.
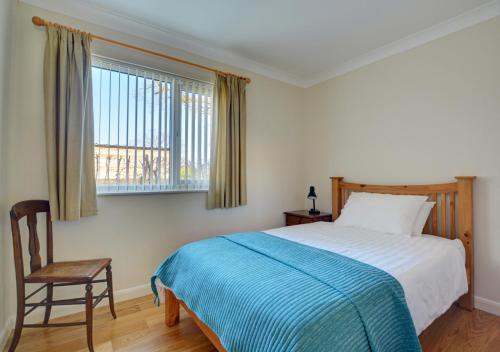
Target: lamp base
{"points": [[314, 212]]}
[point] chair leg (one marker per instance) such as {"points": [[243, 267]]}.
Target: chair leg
{"points": [[19, 324], [109, 279], [89, 315], [48, 308]]}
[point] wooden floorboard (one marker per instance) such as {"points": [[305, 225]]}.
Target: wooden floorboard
{"points": [[140, 327]]}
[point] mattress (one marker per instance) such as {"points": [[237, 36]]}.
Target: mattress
{"points": [[430, 269]]}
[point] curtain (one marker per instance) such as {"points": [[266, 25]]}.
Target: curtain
{"points": [[227, 187], [69, 124]]}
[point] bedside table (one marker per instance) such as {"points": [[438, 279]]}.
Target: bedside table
{"points": [[303, 217]]}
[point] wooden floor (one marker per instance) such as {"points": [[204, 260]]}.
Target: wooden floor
{"points": [[140, 327]]}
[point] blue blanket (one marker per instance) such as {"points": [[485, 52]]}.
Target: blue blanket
{"points": [[261, 293]]}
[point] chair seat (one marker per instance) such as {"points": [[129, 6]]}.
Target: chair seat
{"points": [[73, 271]]}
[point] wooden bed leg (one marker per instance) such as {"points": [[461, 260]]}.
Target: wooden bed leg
{"points": [[171, 308], [466, 301]]}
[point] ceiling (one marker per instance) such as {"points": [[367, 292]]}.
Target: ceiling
{"points": [[299, 41]]}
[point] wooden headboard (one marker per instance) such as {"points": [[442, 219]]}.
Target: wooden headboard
{"points": [[446, 217]]}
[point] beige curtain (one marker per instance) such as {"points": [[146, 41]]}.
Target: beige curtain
{"points": [[69, 124], [228, 187]]}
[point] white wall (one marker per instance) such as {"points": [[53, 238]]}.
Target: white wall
{"points": [[5, 32], [422, 116], [139, 231]]}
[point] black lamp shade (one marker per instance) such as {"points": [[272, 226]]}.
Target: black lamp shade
{"points": [[312, 193]]}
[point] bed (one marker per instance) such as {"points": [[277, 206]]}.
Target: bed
{"points": [[426, 273]]}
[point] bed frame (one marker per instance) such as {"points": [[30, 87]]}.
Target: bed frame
{"points": [[446, 217]]}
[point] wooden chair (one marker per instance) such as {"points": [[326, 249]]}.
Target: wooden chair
{"points": [[81, 272]]}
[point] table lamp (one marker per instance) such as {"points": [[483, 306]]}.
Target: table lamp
{"points": [[312, 195]]}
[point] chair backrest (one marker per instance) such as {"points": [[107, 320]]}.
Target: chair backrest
{"points": [[30, 209]]}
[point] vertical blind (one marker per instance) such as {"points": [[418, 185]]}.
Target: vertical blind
{"points": [[152, 129]]}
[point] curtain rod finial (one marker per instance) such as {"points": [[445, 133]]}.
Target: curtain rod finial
{"points": [[37, 21]]}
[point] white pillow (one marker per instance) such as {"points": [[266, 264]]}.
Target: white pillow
{"points": [[394, 214], [422, 216]]}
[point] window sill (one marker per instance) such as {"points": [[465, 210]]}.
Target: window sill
{"points": [[141, 193]]}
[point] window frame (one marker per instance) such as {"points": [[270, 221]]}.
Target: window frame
{"points": [[178, 82]]}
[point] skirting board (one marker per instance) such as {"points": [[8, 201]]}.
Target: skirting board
{"points": [[5, 332], [484, 304], [120, 295], [487, 305]]}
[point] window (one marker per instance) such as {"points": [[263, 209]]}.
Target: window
{"points": [[151, 129]]}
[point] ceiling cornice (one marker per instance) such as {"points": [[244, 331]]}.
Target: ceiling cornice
{"points": [[455, 24], [111, 19]]}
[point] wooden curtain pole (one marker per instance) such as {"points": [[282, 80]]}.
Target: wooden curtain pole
{"points": [[40, 22]]}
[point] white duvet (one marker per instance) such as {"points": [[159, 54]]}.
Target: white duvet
{"points": [[430, 269]]}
